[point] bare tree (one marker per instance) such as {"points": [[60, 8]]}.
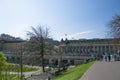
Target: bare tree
{"points": [[38, 38], [114, 26]]}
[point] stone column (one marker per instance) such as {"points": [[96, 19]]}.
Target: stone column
{"points": [[68, 61], [59, 62], [50, 61]]}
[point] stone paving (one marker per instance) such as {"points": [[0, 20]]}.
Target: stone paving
{"points": [[103, 71]]}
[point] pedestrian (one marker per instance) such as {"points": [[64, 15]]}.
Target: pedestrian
{"points": [[106, 58], [109, 57], [115, 57]]}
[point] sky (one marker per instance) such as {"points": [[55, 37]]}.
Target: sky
{"points": [[72, 19]]}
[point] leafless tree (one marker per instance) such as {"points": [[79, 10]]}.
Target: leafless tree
{"points": [[114, 26], [38, 39]]}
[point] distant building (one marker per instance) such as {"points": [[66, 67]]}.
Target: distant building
{"points": [[89, 46], [78, 50], [13, 49], [70, 51]]}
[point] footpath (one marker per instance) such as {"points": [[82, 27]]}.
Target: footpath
{"points": [[102, 70], [29, 74]]}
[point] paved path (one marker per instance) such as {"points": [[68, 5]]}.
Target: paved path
{"points": [[29, 74], [103, 71]]}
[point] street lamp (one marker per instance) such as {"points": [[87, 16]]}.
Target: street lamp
{"points": [[21, 62]]}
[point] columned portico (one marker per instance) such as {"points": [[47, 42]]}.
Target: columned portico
{"points": [[93, 47]]}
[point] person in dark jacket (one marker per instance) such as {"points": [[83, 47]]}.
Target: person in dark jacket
{"points": [[109, 58]]}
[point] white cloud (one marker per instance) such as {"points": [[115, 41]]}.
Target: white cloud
{"points": [[76, 35]]}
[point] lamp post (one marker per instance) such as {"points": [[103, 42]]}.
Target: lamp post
{"points": [[67, 47], [21, 66], [21, 62], [61, 52]]}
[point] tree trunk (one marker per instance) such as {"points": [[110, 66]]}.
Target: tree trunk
{"points": [[43, 67], [42, 55]]}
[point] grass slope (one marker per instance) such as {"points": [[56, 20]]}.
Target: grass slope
{"points": [[16, 68], [74, 73], [10, 77]]}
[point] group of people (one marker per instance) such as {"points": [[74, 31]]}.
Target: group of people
{"points": [[111, 57], [107, 57]]}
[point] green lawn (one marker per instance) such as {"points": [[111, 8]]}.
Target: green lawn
{"points": [[74, 73], [10, 77], [13, 77], [16, 68]]}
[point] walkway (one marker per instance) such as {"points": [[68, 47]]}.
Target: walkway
{"points": [[103, 71], [29, 74]]}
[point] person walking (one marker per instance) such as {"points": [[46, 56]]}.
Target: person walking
{"points": [[105, 58], [109, 58]]}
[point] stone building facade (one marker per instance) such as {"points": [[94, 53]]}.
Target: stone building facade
{"points": [[70, 51], [89, 48], [12, 51]]}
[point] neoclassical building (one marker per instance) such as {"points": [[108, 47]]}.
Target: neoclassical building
{"points": [[89, 46], [70, 51], [82, 49]]}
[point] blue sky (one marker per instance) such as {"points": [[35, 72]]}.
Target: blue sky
{"points": [[76, 18]]}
